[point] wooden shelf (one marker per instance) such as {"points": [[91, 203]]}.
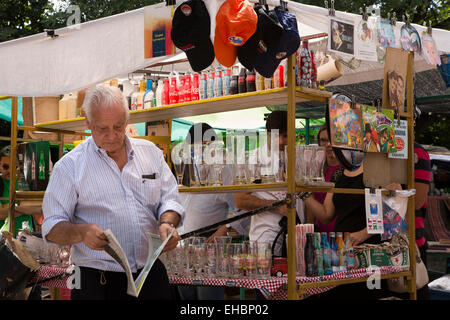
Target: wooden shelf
{"points": [[235, 102], [30, 195], [235, 188]]}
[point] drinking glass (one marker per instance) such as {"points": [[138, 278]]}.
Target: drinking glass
{"points": [[211, 260], [318, 163], [199, 255], [279, 169], [250, 253], [308, 155], [264, 260], [253, 167], [179, 160], [235, 259], [221, 264], [299, 159]]}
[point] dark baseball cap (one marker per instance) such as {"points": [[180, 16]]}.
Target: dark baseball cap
{"points": [[267, 62], [267, 35], [191, 28]]}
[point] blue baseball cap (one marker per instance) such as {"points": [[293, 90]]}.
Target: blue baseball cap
{"points": [[268, 62]]}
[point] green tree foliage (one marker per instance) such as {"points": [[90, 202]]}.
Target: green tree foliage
{"points": [[433, 129], [22, 18]]}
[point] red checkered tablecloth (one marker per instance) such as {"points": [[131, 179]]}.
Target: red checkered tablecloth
{"points": [[46, 272], [274, 288]]}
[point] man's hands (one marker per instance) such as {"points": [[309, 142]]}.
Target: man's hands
{"points": [[164, 231], [94, 237]]}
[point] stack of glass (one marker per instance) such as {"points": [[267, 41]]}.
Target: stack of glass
{"points": [[196, 258]]}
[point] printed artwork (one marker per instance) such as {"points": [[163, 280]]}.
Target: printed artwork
{"points": [[396, 85], [378, 129], [342, 36], [157, 28], [429, 50], [345, 125], [385, 38], [365, 44], [410, 39]]}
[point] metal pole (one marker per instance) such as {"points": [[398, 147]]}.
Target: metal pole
{"points": [[291, 248], [12, 165]]}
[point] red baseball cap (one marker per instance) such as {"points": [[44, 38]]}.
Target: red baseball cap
{"points": [[236, 22]]}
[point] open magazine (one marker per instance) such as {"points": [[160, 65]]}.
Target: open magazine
{"points": [[155, 248]]}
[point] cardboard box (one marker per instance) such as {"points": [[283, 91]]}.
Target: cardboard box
{"points": [[381, 256]]}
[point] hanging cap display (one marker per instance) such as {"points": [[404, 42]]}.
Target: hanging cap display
{"points": [[267, 35], [267, 63], [236, 22], [191, 28]]}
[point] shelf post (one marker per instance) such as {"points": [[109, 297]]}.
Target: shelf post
{"points": [[12, 165], [411, 200], [291, 248]]}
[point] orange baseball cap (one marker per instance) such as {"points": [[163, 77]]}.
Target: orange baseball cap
{"points": [[236, 22]]}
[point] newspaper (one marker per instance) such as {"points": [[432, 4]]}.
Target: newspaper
{"points": [[155, 248]]}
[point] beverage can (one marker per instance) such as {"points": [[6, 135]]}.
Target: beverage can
{"points": [[195, 88], [203, 86], [187, 88]]}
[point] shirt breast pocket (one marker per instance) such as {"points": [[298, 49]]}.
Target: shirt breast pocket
{"points": [[149, 193]]}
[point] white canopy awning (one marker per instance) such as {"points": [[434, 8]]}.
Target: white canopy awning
{"points": [[99, 50]]}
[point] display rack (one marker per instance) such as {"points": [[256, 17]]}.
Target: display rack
{"points": [[289, 95]]}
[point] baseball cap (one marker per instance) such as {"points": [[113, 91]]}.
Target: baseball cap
{"points": [[267, 62], [191, 28], [236, 22], [267, 35]]}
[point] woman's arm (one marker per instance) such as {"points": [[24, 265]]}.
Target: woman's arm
{"points": [[324, 212]]}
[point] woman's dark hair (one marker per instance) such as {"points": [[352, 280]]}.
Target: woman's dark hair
{"points": [[277, 120], [202, 127]]}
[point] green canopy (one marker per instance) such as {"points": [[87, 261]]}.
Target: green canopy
{"points": [[5, 110]]}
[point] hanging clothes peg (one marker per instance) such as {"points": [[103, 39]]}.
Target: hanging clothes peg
{"points": [[392, 19], [365, 15], [331, 11]]}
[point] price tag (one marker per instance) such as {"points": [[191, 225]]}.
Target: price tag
{"points": [[374, 211]]}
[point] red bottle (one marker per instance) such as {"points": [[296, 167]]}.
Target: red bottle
{"points": [[187, 88], [181, 90], [280, 76], [173, 91], [194, 88], [165, 93]]}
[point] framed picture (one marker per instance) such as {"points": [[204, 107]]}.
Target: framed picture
{"points": [[342, 36], [345, 125]]}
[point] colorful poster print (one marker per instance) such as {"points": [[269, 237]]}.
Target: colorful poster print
{"points": [[378, 129], [342, 36], [396, 86], [410, 39], [429, 50], [345, 125], [385, 38], [365, 46], [157, 28]]}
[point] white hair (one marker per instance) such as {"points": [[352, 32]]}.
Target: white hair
{"points": [[104, 97]]}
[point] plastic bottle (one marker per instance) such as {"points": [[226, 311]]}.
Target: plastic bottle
{"points": [[318, 253], [341, 251], [203, 86], [242, 87], [182, 90], [165, 93], [173, 91], [140, 96], [280, 76], [334, 253], [210, 86], [267, 83], [276, 78], [148, 95], [326, 254], [349, 252], [227, 82], [305, 65], [134, 96], [259, 82], [41, 174], [187, 88], [250, 81], [218, 83], [309, 255], [159, 93], [195, 88]]}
